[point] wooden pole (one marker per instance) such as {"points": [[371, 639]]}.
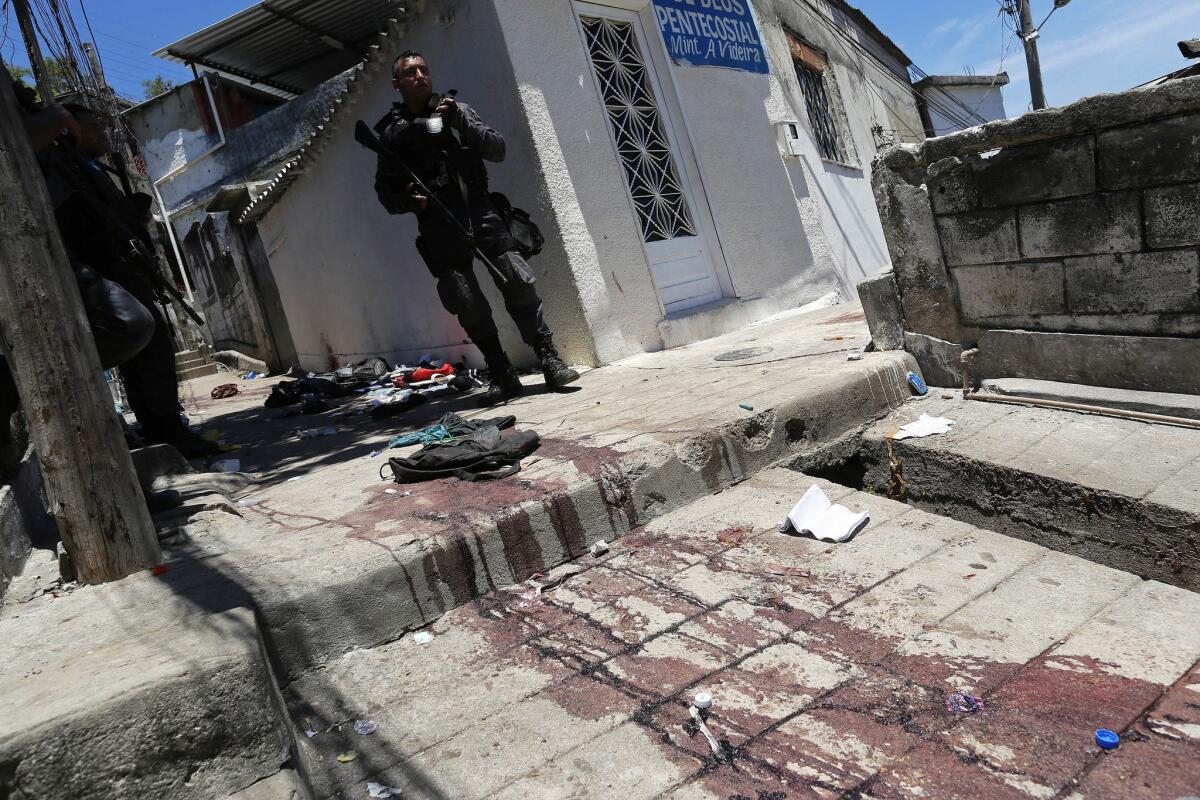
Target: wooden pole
{"points": [[40, 77], [90, 480], [1029, 35]]}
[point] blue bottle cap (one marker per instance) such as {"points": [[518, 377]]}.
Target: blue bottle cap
{"points": [[1107, 739]]}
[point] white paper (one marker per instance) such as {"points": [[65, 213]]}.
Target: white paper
{"points": [[815, 514], [925, 426]]}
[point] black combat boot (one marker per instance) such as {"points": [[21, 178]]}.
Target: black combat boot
{"points": [[557, 373], [503, 382]]}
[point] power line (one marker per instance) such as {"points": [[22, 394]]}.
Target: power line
{"points": [[946, 111]]}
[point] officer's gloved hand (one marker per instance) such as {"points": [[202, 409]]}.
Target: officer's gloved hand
{"points": [[450, 111]]}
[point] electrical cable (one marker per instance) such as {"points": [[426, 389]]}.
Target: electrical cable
{"points": [[941, 108]]}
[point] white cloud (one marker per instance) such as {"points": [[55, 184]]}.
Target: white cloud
{"points": [[1100, 46]]}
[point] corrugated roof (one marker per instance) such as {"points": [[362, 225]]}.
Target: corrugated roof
{"points": [[288, 45], [378, 60]]}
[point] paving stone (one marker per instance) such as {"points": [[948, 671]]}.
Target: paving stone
{"points": [[637, 617], [1075, 443], [623, 763], [1016, 621], [1121, 643], [773, 685], [1142, 770], [931, 771], [668, 663], [935, 587], [739, 628], [1180, 491]]}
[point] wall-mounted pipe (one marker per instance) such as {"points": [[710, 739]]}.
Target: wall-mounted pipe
{"points": [[968, 356], [182, 168], [1141, 416]]}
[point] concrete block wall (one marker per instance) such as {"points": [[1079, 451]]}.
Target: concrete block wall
{"points": [[1092, 233], [1077, 220]]}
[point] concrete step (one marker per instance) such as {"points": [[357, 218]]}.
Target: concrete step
{"points": [[197, 371], [1118, 492], [1163, 403], [829, 667]]}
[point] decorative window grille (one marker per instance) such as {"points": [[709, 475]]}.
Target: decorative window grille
{"points": [[810, 71], [633, 114]]}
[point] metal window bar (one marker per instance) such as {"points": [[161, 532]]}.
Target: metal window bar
{"points": [[820, 114], [641, 143]]}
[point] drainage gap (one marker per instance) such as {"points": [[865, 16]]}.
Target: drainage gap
{"points": [[1147, 539]]}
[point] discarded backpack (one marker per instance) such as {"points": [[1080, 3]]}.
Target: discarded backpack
{"points": [[521, 226], [484, 455]]}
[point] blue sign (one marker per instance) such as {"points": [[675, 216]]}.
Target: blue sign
{"points": [[715, 33]]}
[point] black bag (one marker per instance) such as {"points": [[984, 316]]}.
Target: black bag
{"points": [[521, 226], [484, 456]]}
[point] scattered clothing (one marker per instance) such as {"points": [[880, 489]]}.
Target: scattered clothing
{"points": [[450, 427], [485, 454], [223, 391]]}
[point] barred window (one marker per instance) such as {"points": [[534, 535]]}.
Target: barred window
{"points": [[810, 67]]}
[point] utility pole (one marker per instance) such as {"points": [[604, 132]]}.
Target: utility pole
{"points": [[90, 480], [21, 7], [1029, 35]]}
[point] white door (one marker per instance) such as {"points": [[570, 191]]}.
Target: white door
{"points": [[681, 258]]}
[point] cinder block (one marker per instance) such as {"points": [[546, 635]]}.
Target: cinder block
{"points": [[1150, 363], [1148, 155], [1037, 172], [1136, 283], [912, 239], [1006, 290], [952, 187], [881, 305], [979, 237], [940, 361], [1101, 223], [1173, 216]]}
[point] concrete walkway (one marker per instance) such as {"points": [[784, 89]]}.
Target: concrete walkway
{"points": [[339, 558], [1119, 492], [829, 666], [167, 684]]}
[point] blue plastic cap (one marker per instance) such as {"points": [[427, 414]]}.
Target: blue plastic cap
{"points": [[1107, 739]]}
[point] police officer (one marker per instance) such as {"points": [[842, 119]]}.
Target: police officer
{"points": [[449, 162], [120, 301]]}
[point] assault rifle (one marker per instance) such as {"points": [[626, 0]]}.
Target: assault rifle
{"points": [[133, 251], [368, 139]]}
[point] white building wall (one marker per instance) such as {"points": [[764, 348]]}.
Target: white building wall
{"points": [[348, 273], [790, 230], [986, 101]]}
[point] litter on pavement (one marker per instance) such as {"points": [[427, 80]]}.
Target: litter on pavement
{"points": [[365, 727], [422, 637], [599, 548], [919, 386], [959, 703], [449, 427], [924, 426], [1106, 739], [379, 790], [228, 465], [816, 515], [223, 391], [347, 757], [696, 712]]}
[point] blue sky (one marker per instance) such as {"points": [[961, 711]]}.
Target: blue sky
{"points": [[1090, 46]]}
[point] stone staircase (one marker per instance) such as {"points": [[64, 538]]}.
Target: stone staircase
{"points": [[191, 364]]}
